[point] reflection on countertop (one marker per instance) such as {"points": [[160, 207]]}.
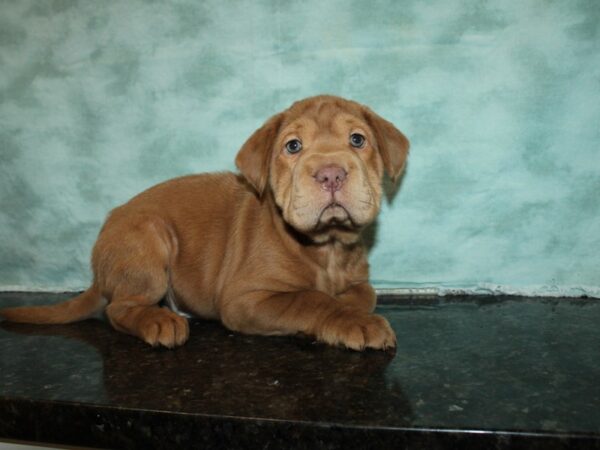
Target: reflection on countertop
{"points": [[514, 371]]}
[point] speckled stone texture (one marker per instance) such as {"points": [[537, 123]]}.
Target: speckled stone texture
{"points": [[468, 373]]}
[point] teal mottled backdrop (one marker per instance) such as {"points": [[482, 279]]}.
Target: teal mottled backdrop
{"points": [[501, 100]]}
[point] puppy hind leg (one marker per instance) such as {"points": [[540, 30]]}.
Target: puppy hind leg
{"points": [[131, 260], [140, 315], [133, 307]]}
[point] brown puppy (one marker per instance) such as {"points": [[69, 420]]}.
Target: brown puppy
{"points": [[276, 251]]}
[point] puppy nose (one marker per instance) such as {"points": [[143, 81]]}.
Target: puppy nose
{"points": [[331, 178]]}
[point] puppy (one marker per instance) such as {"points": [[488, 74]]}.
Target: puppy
{"points": [[276, 250]]}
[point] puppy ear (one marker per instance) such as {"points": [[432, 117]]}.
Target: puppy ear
{"points": [[254, 158], [391, 143]]}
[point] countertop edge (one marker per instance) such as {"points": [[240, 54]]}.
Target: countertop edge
{"points": [[102, 426]]}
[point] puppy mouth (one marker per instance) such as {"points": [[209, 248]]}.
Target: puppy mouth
{"points": [[334, 214]]}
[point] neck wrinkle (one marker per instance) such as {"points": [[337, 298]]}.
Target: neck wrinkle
{"points": [[295, 240]]}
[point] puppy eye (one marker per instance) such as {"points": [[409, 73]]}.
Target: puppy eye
{"points": [[293, 146], [357, 140]]}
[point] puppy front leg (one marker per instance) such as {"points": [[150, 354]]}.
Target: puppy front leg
{"points": [[310, 312], [361, 296]]}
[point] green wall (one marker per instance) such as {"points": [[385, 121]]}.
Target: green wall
{"points": [[501, 100]]}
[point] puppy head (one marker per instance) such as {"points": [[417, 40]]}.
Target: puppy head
{"points": [[323, 159]]}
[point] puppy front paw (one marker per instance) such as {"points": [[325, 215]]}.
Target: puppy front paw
{"points": [[357, 330]]}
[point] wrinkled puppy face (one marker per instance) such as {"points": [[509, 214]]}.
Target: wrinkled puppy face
{"points": [[325, 170], [323, 160]]}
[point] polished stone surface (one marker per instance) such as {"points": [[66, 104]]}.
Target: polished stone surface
{"points": [[508, 372]]}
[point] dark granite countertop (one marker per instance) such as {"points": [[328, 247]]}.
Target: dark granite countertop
{"points": [[468, 373]]}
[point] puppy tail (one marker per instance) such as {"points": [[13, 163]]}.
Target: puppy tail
{"points": [[83, 306]]}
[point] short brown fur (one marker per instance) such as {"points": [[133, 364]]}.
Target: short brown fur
{"points": [[273, 251]]}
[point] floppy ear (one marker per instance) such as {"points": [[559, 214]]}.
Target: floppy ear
{"points": [[254, 158], [392, 144]]}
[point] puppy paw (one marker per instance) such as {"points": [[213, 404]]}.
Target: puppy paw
{"points": [[357, 330], [161, 326]]}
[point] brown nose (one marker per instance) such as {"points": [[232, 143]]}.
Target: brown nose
{"points": [[331, 178]]}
